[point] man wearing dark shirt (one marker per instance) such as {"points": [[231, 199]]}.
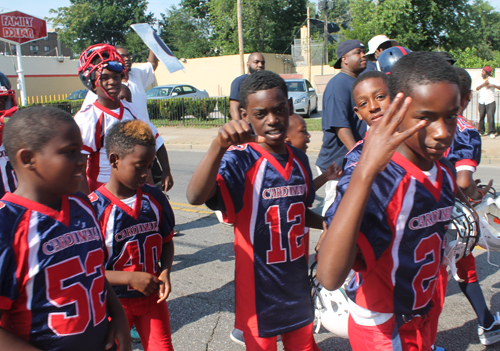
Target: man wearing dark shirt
{"points": [[256, 62], [341, 127]]}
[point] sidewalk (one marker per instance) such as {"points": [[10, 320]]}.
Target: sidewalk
{"points": [[181, 138]]}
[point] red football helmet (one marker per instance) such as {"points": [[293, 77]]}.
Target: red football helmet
{"points": [[109, 58], [7, 97], [8, 103]]}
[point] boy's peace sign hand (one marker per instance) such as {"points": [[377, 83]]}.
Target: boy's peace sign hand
{"points": [[384, 138], [237, 132]]}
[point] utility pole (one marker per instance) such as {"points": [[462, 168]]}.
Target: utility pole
{"points": [[309, 43], [325, 6], [325, 34], [240, 37]]}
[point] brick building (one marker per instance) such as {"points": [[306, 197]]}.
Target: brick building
{"points": [[49, 46]]}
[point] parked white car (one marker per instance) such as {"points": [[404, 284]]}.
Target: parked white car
{"points": [[176, 91], [305, 99]]}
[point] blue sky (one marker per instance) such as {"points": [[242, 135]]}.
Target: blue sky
{"points": [[41, 8]]}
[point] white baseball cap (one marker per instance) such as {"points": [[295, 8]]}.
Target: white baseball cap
{"points": [[375, 42]]}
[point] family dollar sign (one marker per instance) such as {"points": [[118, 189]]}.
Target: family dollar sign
{"points": [[19, 28]]}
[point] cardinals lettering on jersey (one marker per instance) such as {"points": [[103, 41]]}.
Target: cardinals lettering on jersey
{"points": [[267, 202], [401, 236], [134, 236], [52, 284]]}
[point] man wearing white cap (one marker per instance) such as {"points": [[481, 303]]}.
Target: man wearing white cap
{"points": [[376, 45]]}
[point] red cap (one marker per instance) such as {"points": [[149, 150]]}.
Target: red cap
{"points": [[488, 69]]}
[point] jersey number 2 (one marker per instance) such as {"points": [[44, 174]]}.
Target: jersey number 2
{"points": [[61, 294], [427, 272], [277, 253]]}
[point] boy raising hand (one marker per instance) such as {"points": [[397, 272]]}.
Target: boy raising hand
{"points": [[394, 205], [264, 186]]}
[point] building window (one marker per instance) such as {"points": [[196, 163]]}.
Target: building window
{"points": [[34, 47], [47, 48]]}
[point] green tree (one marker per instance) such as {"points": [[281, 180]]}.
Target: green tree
{"points": [[417, 24], [186, 35], [485, 23], [268, 25], [87, 22]]}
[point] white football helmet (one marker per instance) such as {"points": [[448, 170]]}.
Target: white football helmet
{"points": [[489, 221], [331, 308], [461, 236]]}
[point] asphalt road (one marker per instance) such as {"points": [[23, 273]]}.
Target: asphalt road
{"points": [[201, 304]]}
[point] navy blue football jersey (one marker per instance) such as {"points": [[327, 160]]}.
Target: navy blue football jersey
{"points": [[465, 151], [134, 236], [52, 282], [401, 236], [266, 202]]}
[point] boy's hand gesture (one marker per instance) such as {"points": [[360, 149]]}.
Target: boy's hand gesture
{"points": [[165, 286], [384, 138], [237, 132], [333, 172], [484, 188], [144, 282]]}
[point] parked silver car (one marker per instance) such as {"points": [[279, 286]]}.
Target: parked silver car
{"points": [[305, 99], [176, 91]]}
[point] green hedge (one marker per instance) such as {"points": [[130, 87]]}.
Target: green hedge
{"points": [[178, 111], [175, 109], [71, 106]]}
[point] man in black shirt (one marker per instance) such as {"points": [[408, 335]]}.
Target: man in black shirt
{"points": [[256, 62]]}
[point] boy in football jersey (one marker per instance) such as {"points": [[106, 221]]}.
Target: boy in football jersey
{"points": [[53, 292], [264, 186], [396, 199], [370, 94], [465, 154], [101, 71], [138, 223], [299, 137]]}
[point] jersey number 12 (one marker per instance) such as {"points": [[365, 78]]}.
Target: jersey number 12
{"points": [[278, 253]]}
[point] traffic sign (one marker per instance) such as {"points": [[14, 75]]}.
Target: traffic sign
{"points": [[19, 28]]}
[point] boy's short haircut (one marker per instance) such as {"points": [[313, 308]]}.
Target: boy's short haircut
{"points": [[465, 80], [261, 80], [122, 137], [32, 128], [419, 68], [369, 75]]}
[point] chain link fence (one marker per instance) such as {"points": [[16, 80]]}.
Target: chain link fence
{"points": [[208, 112]]}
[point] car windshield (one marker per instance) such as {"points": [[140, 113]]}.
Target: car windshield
{"points": [[160, 91], [296, 86]]}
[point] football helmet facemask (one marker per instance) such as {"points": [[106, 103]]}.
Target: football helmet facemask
{"points": [[488, 211], [109, 58], [461, 236], [331, 308]]}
